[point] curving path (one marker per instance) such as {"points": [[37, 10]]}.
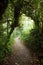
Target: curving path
{"points": [[20, 54]]}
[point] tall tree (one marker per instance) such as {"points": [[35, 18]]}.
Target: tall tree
{"points": [[17, 8]]}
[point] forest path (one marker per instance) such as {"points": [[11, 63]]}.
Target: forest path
{"points": [[20, 54]]}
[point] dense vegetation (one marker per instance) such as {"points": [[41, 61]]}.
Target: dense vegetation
{"points": [[11, 12]]}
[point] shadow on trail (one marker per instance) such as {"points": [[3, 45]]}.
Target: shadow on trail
{"points": [[20, 54]]}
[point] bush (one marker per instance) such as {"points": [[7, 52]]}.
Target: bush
{"points": [[34, 40]]}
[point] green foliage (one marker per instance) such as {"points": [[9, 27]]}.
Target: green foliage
{"points": [[17, 32], [34, 40], [5, 48]]}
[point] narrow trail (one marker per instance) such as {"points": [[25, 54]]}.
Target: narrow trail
{"points": [[20, 55]]}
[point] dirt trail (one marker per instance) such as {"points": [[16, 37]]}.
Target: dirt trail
{"points": [[20, 55]]}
